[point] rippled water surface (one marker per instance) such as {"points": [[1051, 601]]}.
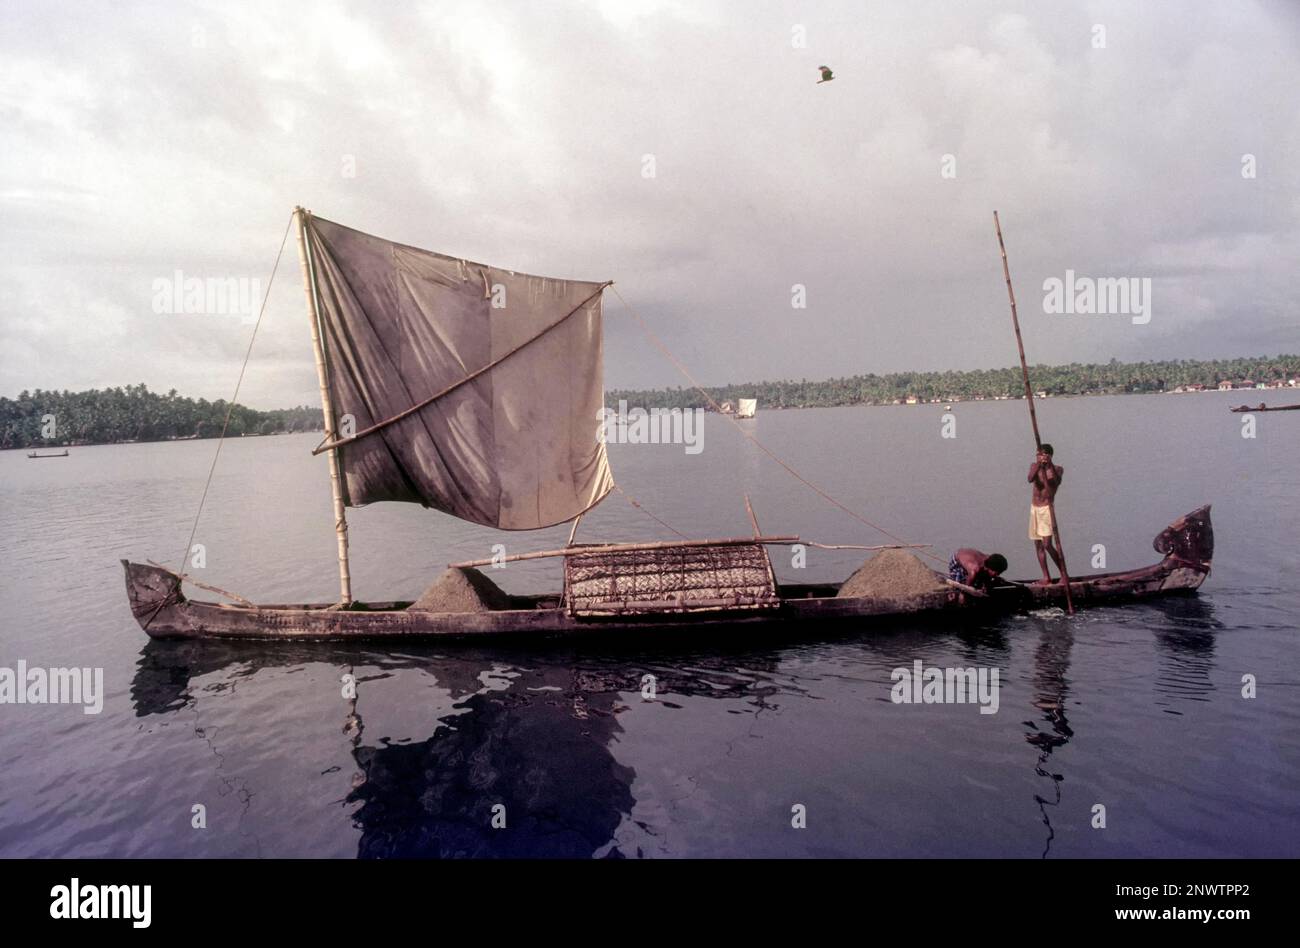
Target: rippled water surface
{"points": [[1139, 708]]}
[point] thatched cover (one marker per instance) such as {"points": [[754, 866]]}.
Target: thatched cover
{"points": [[669, 579]]}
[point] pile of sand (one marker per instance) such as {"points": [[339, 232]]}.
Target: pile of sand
{"points": [[892, 574], [462, 590]]}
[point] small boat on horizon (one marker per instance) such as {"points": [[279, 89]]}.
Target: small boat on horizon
{"points": [[1262, 407], [36, 456]]}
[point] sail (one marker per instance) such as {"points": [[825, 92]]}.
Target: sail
{"points": [[746, 407], [471, 389]]}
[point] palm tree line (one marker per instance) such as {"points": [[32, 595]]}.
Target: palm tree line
{"points": [[1110, 378]]}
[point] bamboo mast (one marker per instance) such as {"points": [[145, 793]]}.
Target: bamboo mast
{"points": [[1033, 416], [327, 407]]}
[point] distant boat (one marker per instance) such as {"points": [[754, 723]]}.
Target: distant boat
{"points": [[34, 455], [1263, 407], [746, 407]]}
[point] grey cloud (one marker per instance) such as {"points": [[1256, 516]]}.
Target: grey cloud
{"points": [[514, 133]]}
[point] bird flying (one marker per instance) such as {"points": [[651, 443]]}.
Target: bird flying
{"points": [[827, 75]]}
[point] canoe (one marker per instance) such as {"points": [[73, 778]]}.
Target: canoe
{"points": [[433, 396], [164, 612], [1246, 408], [37, 457]]}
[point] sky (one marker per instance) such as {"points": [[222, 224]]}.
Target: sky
{"points": [[683, 149]]}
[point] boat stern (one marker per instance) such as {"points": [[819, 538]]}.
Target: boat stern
{"points": [[155, 597]]}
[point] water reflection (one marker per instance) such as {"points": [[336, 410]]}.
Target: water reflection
{"points": [[528, 739], [1050, 692], [161, 685], [536, 731], [533, 758], [1185, 630]]}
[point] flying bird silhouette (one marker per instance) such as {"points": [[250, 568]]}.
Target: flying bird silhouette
{"points": [[827, 75]]}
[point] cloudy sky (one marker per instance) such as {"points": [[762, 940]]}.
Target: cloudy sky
{"points": [[145, 138]]}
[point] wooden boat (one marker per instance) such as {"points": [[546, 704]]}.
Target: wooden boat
{"points": [[163, 611], [37, 456], [1262, 407], [474, 390]]}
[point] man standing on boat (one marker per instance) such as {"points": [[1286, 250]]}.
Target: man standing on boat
{"points": [[1046, 478]]}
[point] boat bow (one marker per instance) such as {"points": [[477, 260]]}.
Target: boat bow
{"points": [[1189, 541]]}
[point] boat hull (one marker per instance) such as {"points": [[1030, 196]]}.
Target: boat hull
{"points": [[163, 611]]}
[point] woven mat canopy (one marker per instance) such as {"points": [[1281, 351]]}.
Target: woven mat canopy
{"points": [[687, 578]]}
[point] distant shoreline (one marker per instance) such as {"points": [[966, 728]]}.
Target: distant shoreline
{"points": [[48, 419], [1050, 381], [318, 432], [965, 401], [109, 444]]}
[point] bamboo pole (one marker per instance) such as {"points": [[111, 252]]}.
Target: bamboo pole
{"points": [[752, 519], [327, 408], [623, 548], [674, 544], [194, 582], [1033, 416], [970, 590], [855, 546]]}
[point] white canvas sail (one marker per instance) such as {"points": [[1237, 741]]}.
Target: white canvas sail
{"points": [[746, 407]]}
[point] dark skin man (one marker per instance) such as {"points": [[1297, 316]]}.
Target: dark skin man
{"points": [[981, 570], [1045, 476], [970, 567]]}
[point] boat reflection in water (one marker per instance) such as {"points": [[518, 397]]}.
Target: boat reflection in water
{"points": [[534, 756], [527, 735], [1184, 630], [531, 736], [537, 747]]}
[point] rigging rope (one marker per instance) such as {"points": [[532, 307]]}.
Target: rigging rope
{"points": [[637, 504], [231, 406], [677, 363]]}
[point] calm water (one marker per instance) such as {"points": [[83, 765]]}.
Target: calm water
{"points": [[1137, 708]]}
